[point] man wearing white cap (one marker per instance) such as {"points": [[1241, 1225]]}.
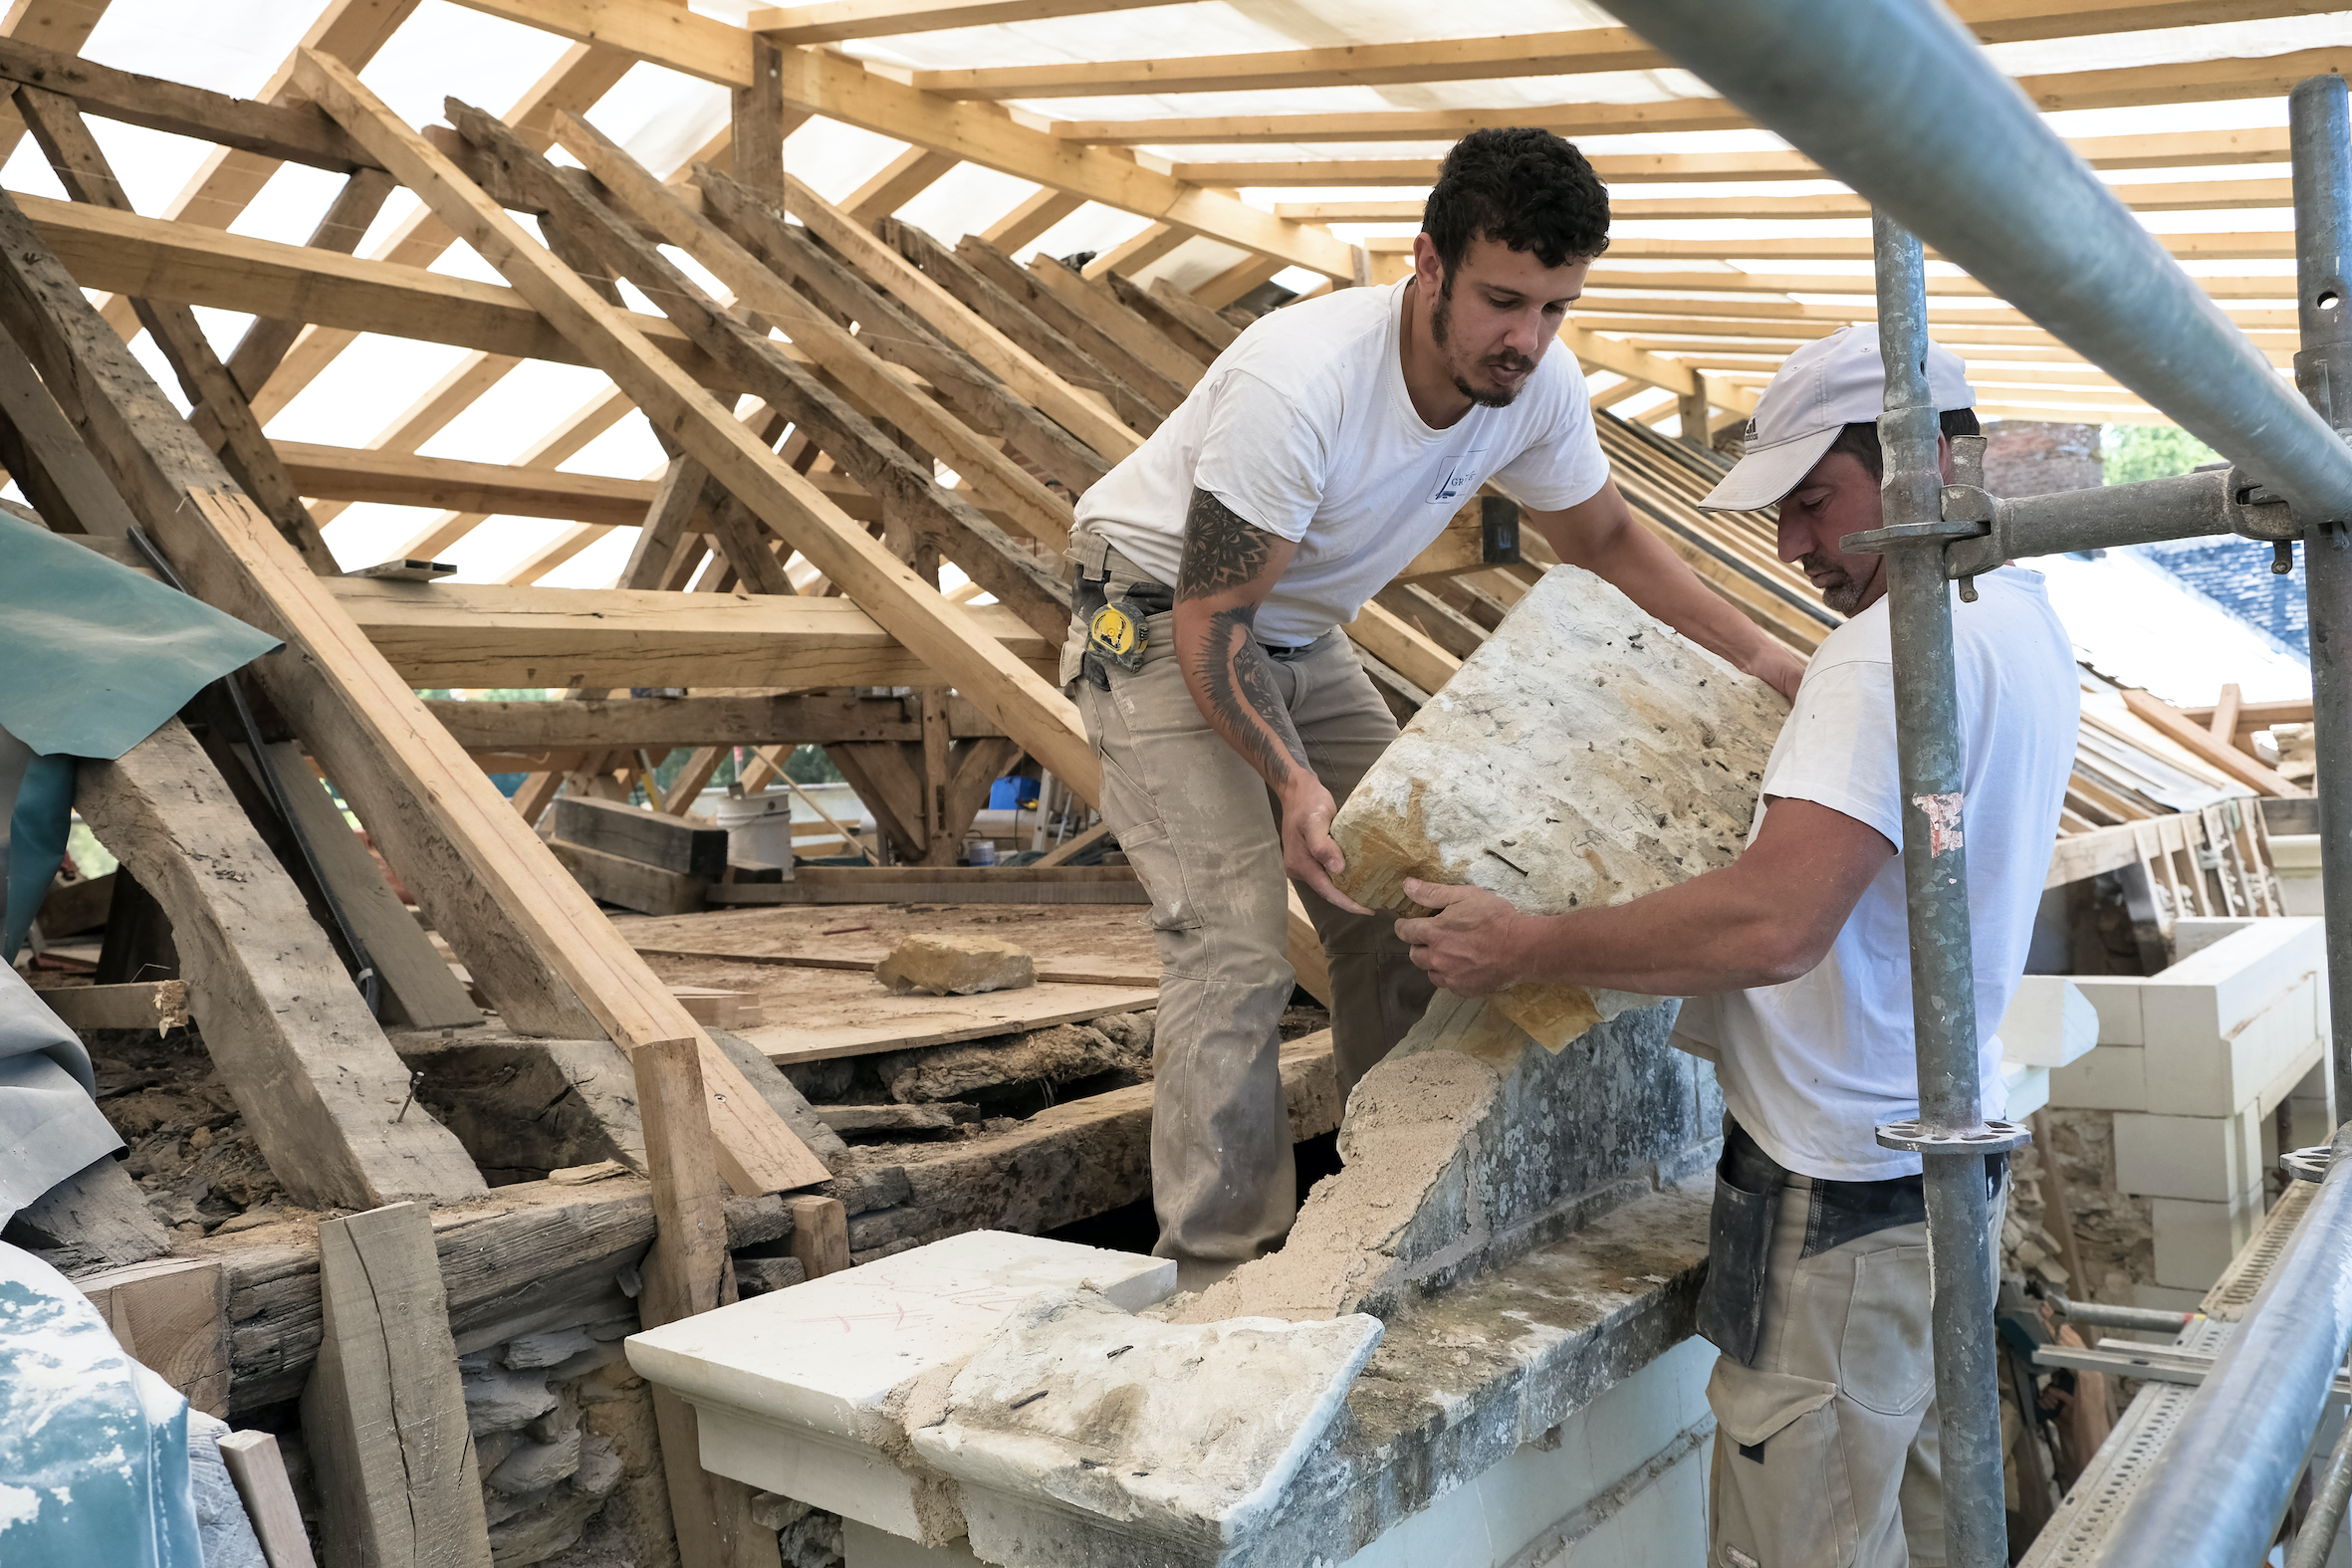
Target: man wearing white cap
{"points": [[1796, 960]]}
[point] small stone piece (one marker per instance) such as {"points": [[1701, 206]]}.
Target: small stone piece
{"points": [[505, 1400], [1584, 755], [534, 1466], [545, 1350], [955, 966], [1059, 1054]]}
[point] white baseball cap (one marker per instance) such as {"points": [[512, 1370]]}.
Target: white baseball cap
{"points": [[1819, 390]]}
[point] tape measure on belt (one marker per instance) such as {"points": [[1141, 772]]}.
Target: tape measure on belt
{"points": [[1116, 632]]}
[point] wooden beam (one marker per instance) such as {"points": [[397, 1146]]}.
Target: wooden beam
{"points": [[258, 1471], [2162, 196], [834, 21], [901, 181], [60, 26], [686, 1272], [1101, 306], [516, 489], [2152, 150], [2260, 246], [1236, 281], [172, 1317], [822, 83], [1138, 251], [1550, 54], [586, 422], [1026, 223], [161, 259], [527, 935], [1034, 510], [312, 1073], [902, 337], [2178, 727], [455, 634], [384, 1414], [2209, 81], [662, 724], [948, 637], [758, 123], [81, 168]]}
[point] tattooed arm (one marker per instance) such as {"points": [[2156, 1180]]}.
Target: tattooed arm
{"points": [[1227, 569]]}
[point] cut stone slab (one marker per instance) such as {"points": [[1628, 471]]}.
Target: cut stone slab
{"points": [[1585, 753], [1185, 1433], [1467, 1147], [808, 1391], [955, 965]]}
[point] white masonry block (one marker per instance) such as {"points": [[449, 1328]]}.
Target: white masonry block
{"points": [[2201, 1157], [2029, 1089], [2109, 1078], [800, 1391], [2196, 1240], [2225, 1021], [2116, 1000], [1584, 755], [2049, 1024]]}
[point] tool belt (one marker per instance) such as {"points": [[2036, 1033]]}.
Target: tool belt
{"points": [[1748, 1187], [1112, 600]]}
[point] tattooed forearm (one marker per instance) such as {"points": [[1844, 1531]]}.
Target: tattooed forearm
{"points": [[1242, 697], [1221, 550]]}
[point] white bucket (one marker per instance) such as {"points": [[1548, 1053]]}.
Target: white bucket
{"points": [[759, 828]]}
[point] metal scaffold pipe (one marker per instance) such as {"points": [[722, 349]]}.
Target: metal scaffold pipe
{"points": [[2321, 132], [1894, 98], [2216, 1492], [1951, 1135]]}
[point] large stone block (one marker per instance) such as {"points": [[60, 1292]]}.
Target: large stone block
{"points": [[2196, 1240], [1466, 1147], [952, 964], [2109, 1078], [2049, 1023], [1585, 753]]}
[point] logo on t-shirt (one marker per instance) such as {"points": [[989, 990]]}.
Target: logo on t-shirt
{"points": [[1458, 475]]}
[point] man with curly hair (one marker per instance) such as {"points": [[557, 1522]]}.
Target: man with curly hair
{"points": [[1323, 451]]}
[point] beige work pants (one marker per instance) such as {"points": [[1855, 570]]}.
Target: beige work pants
{"points": [[1202, 830], [1826, 1453]]}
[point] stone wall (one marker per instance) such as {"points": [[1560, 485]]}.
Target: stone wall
{"points": [[2029, 457]]}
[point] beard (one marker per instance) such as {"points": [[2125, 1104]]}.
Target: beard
{"points": [[1842, 592], [1440, 325]]}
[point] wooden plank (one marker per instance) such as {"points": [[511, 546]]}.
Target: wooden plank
{"points": [[649, 837], [2178, 727], [1067, 977], [1005, 568], [1198, 319], [72, 908], [527, 934], [1073, 846], [885, 1023], [158, 1005], [46, 458], [422, 991], [1101, 308], [1028, 223], [632, 884], [660, 724], [172, 1317], [807, 887], [258, 1471], [2223, 723], [406, 480], [457, 634], [384, 1414], [757, 121], [1079, 327], [686, 1272], [312, 1073]]}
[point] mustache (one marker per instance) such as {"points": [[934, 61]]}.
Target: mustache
{"points": [[1510, 360], [1815, 562]]}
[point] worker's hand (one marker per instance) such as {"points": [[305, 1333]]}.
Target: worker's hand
{"points": [[1778, 668], [1310, 857], [1476, 943]]}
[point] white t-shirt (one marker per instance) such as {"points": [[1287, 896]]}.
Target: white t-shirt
{"points": [[1809, 1068], [1304, 429]]}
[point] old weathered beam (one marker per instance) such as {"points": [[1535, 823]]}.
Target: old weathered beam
{"points": [[660, 724], [312, 1073]]}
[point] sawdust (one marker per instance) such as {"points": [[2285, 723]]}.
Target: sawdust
{"points": [[1404, 1128]]}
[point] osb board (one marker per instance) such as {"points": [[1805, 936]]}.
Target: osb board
{"points": [[846, 1013]]}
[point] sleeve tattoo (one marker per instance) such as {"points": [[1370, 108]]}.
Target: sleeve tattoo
{"points": [[1223, 553]]}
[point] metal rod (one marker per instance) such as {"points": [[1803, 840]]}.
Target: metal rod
{"points": [[1894, 98], [2217, 1492], [1934, 875], [2317, 1536], [2320, 130], [2192, 505], [2099, 1315]]}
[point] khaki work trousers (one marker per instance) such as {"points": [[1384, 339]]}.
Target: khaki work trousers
{"points": [[1825, 1450], [1201, 831]]}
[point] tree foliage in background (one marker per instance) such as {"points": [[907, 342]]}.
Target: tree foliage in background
{"points": [[808, 764], [2131, 453]]}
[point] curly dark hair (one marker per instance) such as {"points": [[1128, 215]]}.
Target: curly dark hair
{"points": [[1523, 187]]}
